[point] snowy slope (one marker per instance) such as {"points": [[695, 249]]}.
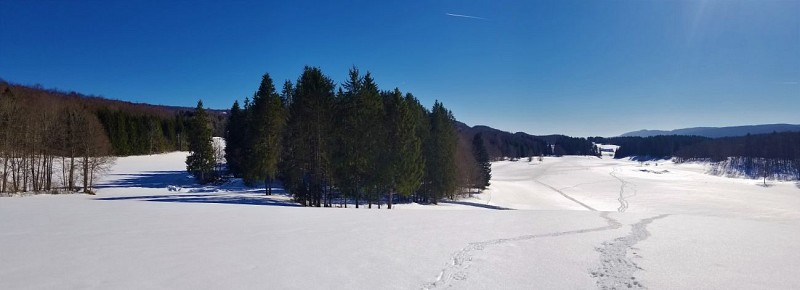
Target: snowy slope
{"points": [[150, 228]]}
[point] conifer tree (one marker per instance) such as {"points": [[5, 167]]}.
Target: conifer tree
{"points": [[234, 139], [200, 162], [403, 147], [360, 138], [440, 169], [370, 137], [482, 157], [346, 173], [287, 92], [266, 126], [309, 137]]}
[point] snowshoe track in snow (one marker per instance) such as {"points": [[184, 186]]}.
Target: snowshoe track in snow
{"points": [[616, 267], [565, 195], [455, 269], [623, 203]]}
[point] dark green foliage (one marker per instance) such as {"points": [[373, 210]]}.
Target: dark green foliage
{"points": [[306, 164], [482, 158], [440, 175], [403, 161], [360, 144], [234, 140], [565, 145], [200, 162], [650, 147], [141, 133], [351, 163], [265, 125]]}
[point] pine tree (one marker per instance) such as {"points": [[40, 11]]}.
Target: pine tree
{"points": [[403, 147], [440, 166], [287, 92], [309, 137], [482, 157], [200, 162], [267, 120], [421, 117], [234, 140], [346, 174], [360, 138], [370, 137]]}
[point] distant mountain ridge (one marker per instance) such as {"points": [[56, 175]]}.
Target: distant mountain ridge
{"points": [[718, 132]]}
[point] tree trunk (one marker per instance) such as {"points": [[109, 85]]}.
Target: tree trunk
{"points": [[71, 173], [389, 203], [49, 177], [267, 186], [5, 174], [85, 174]]}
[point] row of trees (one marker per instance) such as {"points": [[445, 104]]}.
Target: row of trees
{"points": [[662, 146], [357, 143], [131, 128], [755, 156], [501, 144], [138, 134], [775, 155], [48, 146]]}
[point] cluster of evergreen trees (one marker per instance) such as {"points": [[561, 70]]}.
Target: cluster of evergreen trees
{"points": [[137, 134], [357, 143]]}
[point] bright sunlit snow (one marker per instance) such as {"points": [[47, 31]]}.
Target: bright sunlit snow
{"points": [[581, 222]]}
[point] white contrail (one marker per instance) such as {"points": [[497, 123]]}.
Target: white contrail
{"points": [[464, 16]]}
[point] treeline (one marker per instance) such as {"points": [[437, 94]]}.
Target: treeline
{"points": [[501, 144], [779, 146], [135, 134], [48, 146], [756, 156], [354, 144], [654, 147], [132, 128]]}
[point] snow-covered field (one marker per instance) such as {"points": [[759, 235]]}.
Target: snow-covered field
{"points": [[581, 223]]}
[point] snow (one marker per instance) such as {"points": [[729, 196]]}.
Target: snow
{"points": [[581, 222]]}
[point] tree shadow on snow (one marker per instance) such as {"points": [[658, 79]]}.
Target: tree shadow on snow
{"points": [[149, 179], [475, 204], [246, 199], [188, 191]]}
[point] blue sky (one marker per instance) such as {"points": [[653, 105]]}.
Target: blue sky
{"points": [[581, 68]]}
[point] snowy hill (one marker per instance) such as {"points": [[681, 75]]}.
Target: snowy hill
{"points": [[717, 132], [580, 223]]}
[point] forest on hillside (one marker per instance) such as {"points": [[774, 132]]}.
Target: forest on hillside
{"points": [[774, 155], [53, 141]]}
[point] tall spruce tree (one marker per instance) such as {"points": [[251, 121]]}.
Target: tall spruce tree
{"points": [[266, 126], [482, 158], [309, 137], [403, 147], [370, 138], [360, 138], [440, 168], [421, 117], [234, 140], [200, 162], [346, 171]]}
